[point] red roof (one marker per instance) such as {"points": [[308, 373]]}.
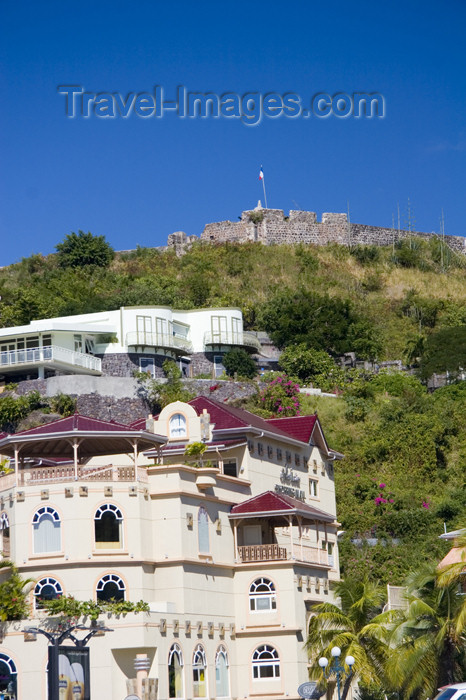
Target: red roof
{"points": [[76, 422], [228, 417], [270, 503], [298, 427]]}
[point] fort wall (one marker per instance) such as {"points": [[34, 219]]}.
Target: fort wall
{"points": [[272, 227]]}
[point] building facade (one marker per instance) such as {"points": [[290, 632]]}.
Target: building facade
{"points": [[230, 548], [117, 343]]}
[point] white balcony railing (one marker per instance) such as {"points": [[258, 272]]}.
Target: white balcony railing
{"points": [[159, 340], [244, 339], [49, 354], [64, 474], [274, 552]]}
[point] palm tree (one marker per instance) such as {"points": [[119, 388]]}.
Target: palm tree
{"points": [[349, 626], [455, 572], [427, 639]]}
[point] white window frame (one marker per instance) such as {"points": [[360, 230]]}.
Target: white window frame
{"points": [[199, 665], [110, 578], [147, 364], [176, 649], [313, 488], [109, 508], [262, 596], [222, 652], [46, 581], [180, 431], [41, 513], [265, 656], [203, 535]]}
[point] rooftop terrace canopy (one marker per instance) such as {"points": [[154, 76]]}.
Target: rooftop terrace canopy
{"points": [[78, 438]]}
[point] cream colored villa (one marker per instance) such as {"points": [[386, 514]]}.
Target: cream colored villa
{"points": [[118, 342], [230, 556]]}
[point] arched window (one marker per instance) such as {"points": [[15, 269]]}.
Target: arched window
{"points": [[46, 525], [4, 535], [177, 426], [108, 525], [8, 675], [203, 530], [222, 680], [46, 589], [262, 595], [175, 672], [110, 587], [265, 663], [199, 672]]}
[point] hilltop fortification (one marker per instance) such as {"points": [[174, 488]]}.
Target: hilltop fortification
{"points": [[271, 227]]}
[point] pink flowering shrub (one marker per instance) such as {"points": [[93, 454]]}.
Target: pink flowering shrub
{"points": [[280, 397]]}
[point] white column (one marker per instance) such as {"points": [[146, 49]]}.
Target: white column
{"points": [[75, 457], [291, 535], [142, 666]]}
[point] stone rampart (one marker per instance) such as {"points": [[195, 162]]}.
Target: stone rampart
{"points": [[272, 227]]}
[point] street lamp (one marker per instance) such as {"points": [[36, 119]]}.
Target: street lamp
{"points": [[336, 668], [80, 655]]}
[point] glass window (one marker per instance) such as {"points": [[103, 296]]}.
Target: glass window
{"points": [[177, 426], [230, 468], [260, 448], [279, 454], [4, 535], [222, 680], [219, 367], [147, 364], [270, 451], [8, 676], [203, 531], [265, 663], [110, 587], [175, 672], [46, 589], [199, 673], [46, 525], [297, 459], [262, 595], [313, 488], [108, 526]]}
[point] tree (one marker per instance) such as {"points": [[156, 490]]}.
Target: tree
{"points": [[161, 394], [239, 362], [293, 317], [350, 627], [14, 592], [310, 365], [427, 639], [82, 249], [445, 351]]}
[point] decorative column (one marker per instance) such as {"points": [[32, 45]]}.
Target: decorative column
{"points": [[141, 666]]}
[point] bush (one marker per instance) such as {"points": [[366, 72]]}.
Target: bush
{"points": [[82, 249], [366, 254], [280, 397], [239, 362], [63, 404]]}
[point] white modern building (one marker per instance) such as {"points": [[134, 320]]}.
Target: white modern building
{"points": [[118, 342], [230, 555]]}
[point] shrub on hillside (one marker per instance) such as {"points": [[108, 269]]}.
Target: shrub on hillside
{"points": [[239, 362]]}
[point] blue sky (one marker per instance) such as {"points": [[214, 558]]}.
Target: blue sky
{"points": [[136, 180]]}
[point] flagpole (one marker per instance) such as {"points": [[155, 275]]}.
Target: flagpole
{"points": [[261, 177], [265, 196]]}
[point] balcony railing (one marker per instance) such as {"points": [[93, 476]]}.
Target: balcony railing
{"points": [[49, 355], [274, 552], [56, 475], [159, 340], [243, 339]]}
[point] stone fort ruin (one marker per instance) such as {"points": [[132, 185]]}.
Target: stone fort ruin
{"points": [[272, 227]]}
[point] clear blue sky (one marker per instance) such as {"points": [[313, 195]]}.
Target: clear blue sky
{"points": [[136, 180]]}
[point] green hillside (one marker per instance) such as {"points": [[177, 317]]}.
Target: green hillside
{"points": [[403, 475]]}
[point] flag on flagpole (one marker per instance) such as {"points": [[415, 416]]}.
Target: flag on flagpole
{"points": [[261, 174]]}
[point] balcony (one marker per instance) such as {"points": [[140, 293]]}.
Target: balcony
{"points": [[166, 341], [245, 339], [51, 356], [273, 552], [57, 475]]}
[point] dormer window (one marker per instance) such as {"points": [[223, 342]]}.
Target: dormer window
{"points": [[177, 426]]}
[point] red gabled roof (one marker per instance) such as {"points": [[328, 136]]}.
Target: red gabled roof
{"points": [[298, 427], [227, 417], [76, 422], [271, 503]]}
